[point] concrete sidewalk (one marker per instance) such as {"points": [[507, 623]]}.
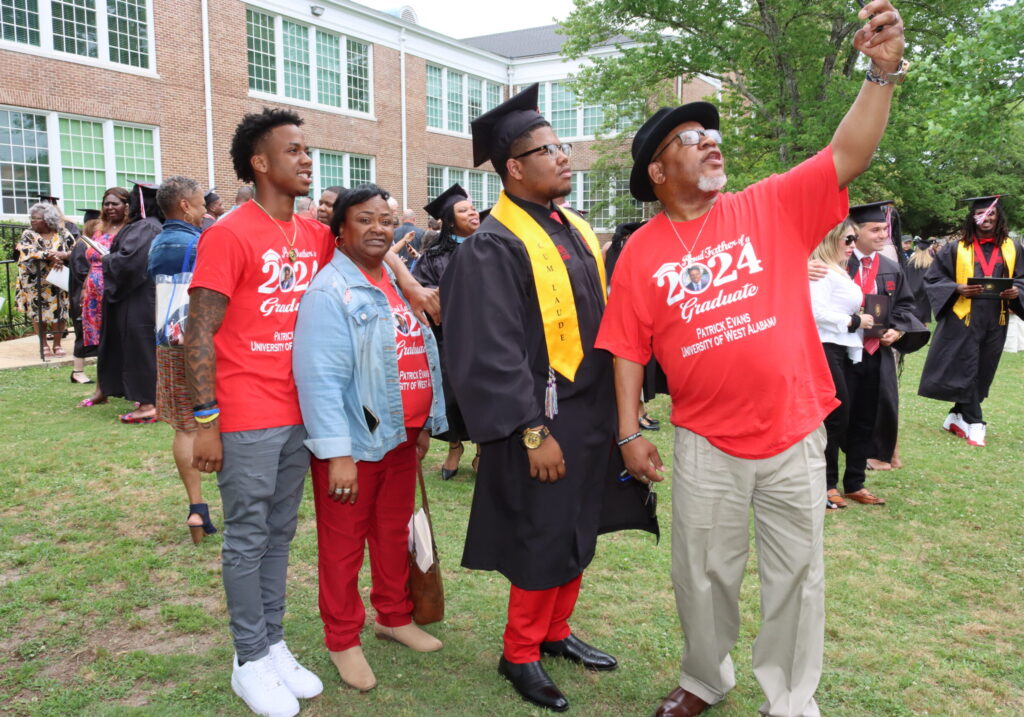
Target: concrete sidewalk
{"points": [[19, 353]]}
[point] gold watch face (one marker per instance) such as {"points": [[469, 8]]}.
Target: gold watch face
{"points": [[532, 439]]}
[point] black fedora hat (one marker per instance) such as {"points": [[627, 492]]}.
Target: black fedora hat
{"points": [[654, 130]]}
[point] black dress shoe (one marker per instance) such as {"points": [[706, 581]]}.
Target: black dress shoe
{"points": [[573, 648], [533, 684]]}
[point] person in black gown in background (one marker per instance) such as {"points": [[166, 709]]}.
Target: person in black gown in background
{"points": [[127, 353], [970, 330], [459, 218]]}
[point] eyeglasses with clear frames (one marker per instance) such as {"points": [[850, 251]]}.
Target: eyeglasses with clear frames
{"points": [[551, 150], [689, 137]]}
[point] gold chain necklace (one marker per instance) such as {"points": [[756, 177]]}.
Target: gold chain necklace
{"points": [[292, 255], [688, 258]]}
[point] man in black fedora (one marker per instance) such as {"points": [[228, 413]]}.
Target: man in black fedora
{"points": [[749, 383]]}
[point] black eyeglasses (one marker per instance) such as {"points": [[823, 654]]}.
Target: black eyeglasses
{"points": [[551, 150], [850, 239]]}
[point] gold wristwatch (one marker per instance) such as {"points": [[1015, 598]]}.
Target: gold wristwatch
{"points": [[533, 437]]}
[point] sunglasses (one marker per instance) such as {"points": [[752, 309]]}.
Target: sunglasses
{"points": [[551, 150], [849, 239]]}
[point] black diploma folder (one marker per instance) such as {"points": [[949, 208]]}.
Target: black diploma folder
{"points": [[878, 306], [990, 288]]}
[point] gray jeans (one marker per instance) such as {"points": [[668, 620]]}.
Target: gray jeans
{"points": [[261, 488]]}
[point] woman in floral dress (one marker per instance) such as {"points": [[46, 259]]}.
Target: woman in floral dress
{"points": [[44, 246]]}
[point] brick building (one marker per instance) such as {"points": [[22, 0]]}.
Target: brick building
{"points": [[93, 94]]}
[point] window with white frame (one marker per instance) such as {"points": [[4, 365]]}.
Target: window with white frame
{"points": [[115, 31], [92, 154], [570, 119], [293, 61], [454, 99], [483, 187], [605, 198], [340, 169]]}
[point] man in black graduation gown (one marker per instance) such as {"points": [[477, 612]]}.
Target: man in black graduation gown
{"points": [[971, 329], [521, 304], [872, 383], [126, 363]]}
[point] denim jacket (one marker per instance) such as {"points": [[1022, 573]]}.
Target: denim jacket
{"points": [[345, 365], [172, 247]]}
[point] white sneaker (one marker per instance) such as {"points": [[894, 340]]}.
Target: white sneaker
{"points": [[955, 424], [302, 683], [261, 688], [976, 434]]}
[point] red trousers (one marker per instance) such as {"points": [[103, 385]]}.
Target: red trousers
{"points": [[380, 517], [536, 616]]}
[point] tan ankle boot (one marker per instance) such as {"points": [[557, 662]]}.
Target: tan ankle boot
{"points": [[409, 635], [354, 669]]}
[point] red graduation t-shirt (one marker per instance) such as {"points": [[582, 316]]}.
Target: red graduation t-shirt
{"points": [[413, 370], [736, 337], [244, 257]]}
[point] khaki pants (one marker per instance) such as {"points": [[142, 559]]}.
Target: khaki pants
{"points": [[711, 497]]}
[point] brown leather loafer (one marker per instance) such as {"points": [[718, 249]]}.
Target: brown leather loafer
{"points": [[681, 703], [866, 497], [833, 495]]}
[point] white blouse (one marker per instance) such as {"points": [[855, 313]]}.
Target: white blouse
{"points": [[834, 299]]}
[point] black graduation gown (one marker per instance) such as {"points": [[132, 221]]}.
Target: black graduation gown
{"points": [[963, 359], [78, 265], [538, 535], [915, 280], [428, 271], [891, 281], [127, 354]]}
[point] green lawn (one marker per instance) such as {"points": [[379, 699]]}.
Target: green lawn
{"points": [[106, 608]]}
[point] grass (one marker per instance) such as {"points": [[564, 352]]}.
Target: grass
{"points": [[106, 608]]}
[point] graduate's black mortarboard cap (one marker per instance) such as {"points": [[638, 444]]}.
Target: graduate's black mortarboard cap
{"points": [[982, 202], [453, 195], [49, 199], [89, 214], [923, 243], [872, 212], [142, 200], [496, 130]]}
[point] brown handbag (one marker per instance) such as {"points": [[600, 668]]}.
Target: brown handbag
{"points": [[426, 590]]}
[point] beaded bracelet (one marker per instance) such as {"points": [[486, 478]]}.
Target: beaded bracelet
{"points": [[627, 439], [208, 412], [207, 419]]}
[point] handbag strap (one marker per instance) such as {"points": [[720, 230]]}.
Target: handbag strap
{"points": [[185, 268], [423, 492]]}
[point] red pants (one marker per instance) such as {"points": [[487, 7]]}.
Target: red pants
{"points": [[536, 616], [380, 517]]}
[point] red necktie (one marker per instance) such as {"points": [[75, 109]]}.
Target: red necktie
{"points": [[870, 345], [554, 215]]}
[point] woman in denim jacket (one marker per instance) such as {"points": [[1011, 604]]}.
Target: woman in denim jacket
{"points": [[369, 384], [173, 251]]}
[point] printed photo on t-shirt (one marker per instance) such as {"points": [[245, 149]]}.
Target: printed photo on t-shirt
{"points": [[698, 278]]}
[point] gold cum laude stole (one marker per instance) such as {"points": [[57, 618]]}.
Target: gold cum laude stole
{"points": [[561, 325], [965, 270]]}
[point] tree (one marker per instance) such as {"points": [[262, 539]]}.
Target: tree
{"points": [[788, 73]]}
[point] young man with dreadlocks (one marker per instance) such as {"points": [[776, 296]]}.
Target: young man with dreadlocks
{"points": [[970, 326]]}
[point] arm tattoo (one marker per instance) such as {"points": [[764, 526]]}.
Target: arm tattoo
{"points": [[205, 313]]}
